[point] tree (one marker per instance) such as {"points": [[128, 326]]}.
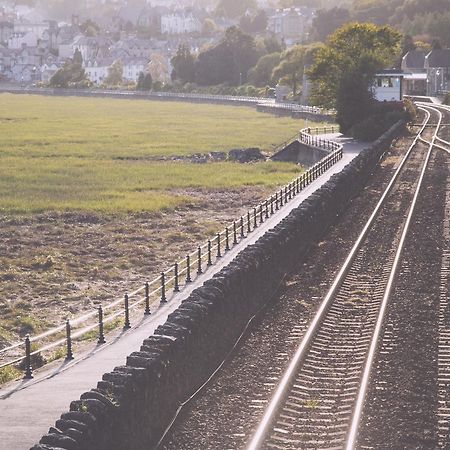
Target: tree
{"points": [[158, 68], [292, 65], [70, 73], [115, 73], [229, 61], [77, 57], [261, 74], [352, 55], [254, 24], [327, 21], [89, 28], [183, 64], [145, 82], [273, 46]]}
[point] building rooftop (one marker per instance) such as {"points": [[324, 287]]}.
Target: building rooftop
{"points": [[414, 59], [438, 58]]}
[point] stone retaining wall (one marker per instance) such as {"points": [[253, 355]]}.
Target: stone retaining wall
{"points": [[300, 153], [132, 405]]}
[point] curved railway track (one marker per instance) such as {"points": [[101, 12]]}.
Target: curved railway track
{"points": [[319, 400]]}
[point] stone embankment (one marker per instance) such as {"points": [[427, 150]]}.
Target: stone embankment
{"points": [[133, 405]]}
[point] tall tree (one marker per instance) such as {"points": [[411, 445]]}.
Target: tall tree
{"points": [[261, 74], [229, 61], [352, 56], [71, 73], [183, 64], [292, 65], [115, 73], [327, 21]]}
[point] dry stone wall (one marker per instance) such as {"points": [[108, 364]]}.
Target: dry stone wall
{"points": [[132, 405]]}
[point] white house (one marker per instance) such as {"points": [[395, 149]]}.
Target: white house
{"points": [[133, 67], [21, 39], [180, 24], [37, 29], [97, 70], [48, 70], [290, 24]]}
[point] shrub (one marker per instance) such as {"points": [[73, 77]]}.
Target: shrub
{"points": [[384, 115]]}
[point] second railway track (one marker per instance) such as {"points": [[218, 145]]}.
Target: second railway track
{"points": [[319, 400]]}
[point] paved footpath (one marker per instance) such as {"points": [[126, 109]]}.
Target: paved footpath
{"points": [[29, 408]]}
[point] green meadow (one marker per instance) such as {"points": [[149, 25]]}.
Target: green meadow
{"points": [[113, 155]]}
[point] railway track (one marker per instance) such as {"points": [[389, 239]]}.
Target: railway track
{"points": [[319, 400]]}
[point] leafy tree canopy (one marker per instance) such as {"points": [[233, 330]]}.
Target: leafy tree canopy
{"points": [[183, 64], [292, 65], [344, 68], [71, 73], [261, 74], [229, 61]]}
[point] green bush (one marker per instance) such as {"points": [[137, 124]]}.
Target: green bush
{"points": [[384, 115]]}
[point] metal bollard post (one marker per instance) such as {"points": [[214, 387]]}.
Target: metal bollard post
{"points": [[163, 288], [297, 185], [255, 223], [69, 353], [209, 254], [101, 335], [261, 214], [176, 287], [199, 261], [271, 205], [235, 241], [219, 253], [242, 228], [127, 325], [249, 223], [147, 300], [188, 269], [28, 369], [276, 201], [227, 239], [266, 206]]}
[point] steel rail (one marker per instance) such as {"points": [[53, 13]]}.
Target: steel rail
{"points": [[285, 383], [351, 438]]}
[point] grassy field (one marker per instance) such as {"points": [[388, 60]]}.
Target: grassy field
{"points": [[59, 153], [99, 195]]}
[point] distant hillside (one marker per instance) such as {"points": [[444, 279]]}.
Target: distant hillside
{"points": [[428, 19], [425, 20]]}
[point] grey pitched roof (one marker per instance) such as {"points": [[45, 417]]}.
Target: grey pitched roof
{"points": [[414, 59], [438, 58]]}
